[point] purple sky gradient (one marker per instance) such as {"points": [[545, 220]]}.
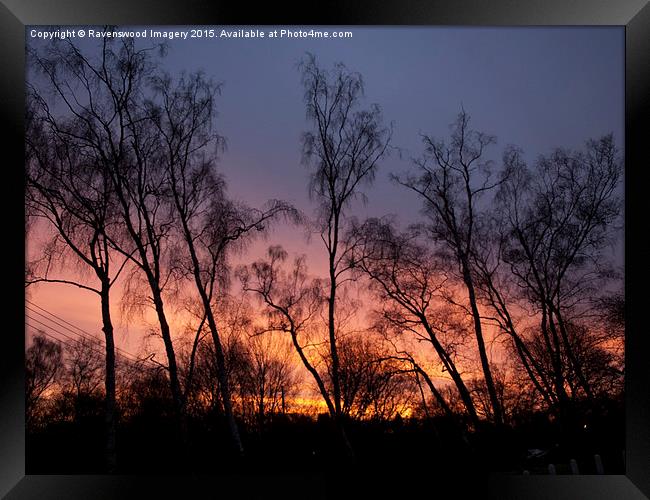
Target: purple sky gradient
{"points": [[538, 88]]}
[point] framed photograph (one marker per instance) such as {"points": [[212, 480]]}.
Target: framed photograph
{"points": [[371, 252]]}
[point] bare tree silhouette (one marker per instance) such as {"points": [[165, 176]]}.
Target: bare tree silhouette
{"points": [[450, 179], [105, 99], [43, 367], [293, 302], [271, 380], [69, 191], [343, 151], [375, 385], [556, 221], [209, 224], [410, 282]]}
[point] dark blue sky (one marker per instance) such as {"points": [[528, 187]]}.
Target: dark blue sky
{"points": [[534, 87], [537, 88]]}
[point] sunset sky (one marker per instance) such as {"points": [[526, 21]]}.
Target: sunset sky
{"points": [[537, 88]]}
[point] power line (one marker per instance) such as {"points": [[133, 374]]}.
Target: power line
{"points": [[65, 335], [57, 317], [72, 346], [63, 342], [98, 341], [88, 336]]}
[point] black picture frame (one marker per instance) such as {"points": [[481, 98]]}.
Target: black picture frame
{"points": [[634, 15]]}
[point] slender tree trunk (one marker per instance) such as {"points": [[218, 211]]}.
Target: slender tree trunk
{"points": [[425, 407], [465, 396], [436, 394], [165, 331], [533, 369], [567, 421], [577, 368], [110, 419], [524, 355], [261, 409], [321, 387], [224, 386], [441, 400], [453, 372], [478, 329], [567, 413], [156, 292], [336, 385], [314, 373], [331, 316], [562, 396]]}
